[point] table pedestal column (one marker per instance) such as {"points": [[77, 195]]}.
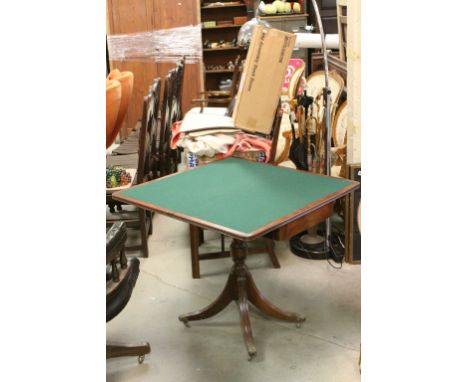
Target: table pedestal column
{"points": [[241, 287]]}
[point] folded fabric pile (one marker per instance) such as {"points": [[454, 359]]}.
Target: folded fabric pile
{"points": [[220, 143]]}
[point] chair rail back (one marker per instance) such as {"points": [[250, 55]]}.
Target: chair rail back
{"points": [[144, 172], [178, 88], [166, 165], [154, 131]]}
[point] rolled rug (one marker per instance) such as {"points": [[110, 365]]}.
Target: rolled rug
{"points": [[113, 96]]}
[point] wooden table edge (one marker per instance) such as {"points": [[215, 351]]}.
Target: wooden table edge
{"points": [[278, 223]]}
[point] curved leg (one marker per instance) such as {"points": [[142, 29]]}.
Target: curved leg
{"points": [[216, 306], [265, 306], [114, 350], [244, 316], [241, 287]]}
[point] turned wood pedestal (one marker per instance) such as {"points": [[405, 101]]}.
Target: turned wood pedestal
{"points": [[240, 287]]}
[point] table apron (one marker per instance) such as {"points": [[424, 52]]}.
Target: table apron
{"points": [[309, 220]]}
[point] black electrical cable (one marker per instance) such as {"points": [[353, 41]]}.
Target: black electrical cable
{"points": [[316, 252]]}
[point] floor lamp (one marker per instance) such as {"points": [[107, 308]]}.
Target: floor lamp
{"points": [[327, 247]]}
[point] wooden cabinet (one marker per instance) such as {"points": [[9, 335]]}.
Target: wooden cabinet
{"points": [[132, 16], [220, 40]]}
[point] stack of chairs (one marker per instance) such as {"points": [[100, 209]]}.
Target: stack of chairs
{"points": [[170, 112], [132, 216], [147, 149]]}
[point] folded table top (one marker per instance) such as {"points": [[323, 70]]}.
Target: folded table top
{"points": [[236, 197]]}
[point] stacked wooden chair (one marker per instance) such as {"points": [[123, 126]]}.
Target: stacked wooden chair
{"points": [[147, 149], [220, 97], [142, 162], [178, 85], [197, 233], [167, 156], [130, 144]]}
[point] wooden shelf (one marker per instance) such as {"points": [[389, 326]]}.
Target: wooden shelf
{"points": [[222, 27], [219, 71], [221, 57], [224, 6], [284, 17], [221, 49], [218, 93]]}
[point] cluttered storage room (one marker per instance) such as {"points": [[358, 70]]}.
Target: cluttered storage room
{"points": [[233, 243]]}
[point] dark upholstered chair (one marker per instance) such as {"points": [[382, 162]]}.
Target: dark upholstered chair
{"points": [[121, 276]]}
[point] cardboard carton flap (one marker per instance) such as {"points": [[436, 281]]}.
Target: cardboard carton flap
{"points": [[262, 79]]}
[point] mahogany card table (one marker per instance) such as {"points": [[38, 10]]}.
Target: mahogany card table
{"points": [[244, 200]]}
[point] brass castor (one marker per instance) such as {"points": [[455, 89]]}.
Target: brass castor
{"points": [[185, 321], [300, 321]]}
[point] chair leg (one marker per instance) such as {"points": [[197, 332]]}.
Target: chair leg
{"points": [[143, 232], [270, 246], [124, 350], [201, 236], [150, 229], [194, 251]]}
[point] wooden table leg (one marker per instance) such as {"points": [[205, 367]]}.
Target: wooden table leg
{"points": [[266, 307], [216, 306], [241, 287], [114, 350], [194, 251], [246, 327]]}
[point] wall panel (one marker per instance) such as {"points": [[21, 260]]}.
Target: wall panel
{"points": [[132, 16]]}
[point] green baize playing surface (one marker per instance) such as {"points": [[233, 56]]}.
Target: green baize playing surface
{"points": [[237, 194]]}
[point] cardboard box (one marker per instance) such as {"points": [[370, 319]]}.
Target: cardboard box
{"points": [[262, 79]]}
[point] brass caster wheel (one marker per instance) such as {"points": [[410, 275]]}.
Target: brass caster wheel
{"points": [[141, 358], [251, 351], [184, 321], [300, 321]]}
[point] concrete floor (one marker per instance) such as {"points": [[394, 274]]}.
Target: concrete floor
{"points": [[325, 348]]}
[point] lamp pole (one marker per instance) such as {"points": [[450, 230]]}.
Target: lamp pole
{"points": [[326, 97]]}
